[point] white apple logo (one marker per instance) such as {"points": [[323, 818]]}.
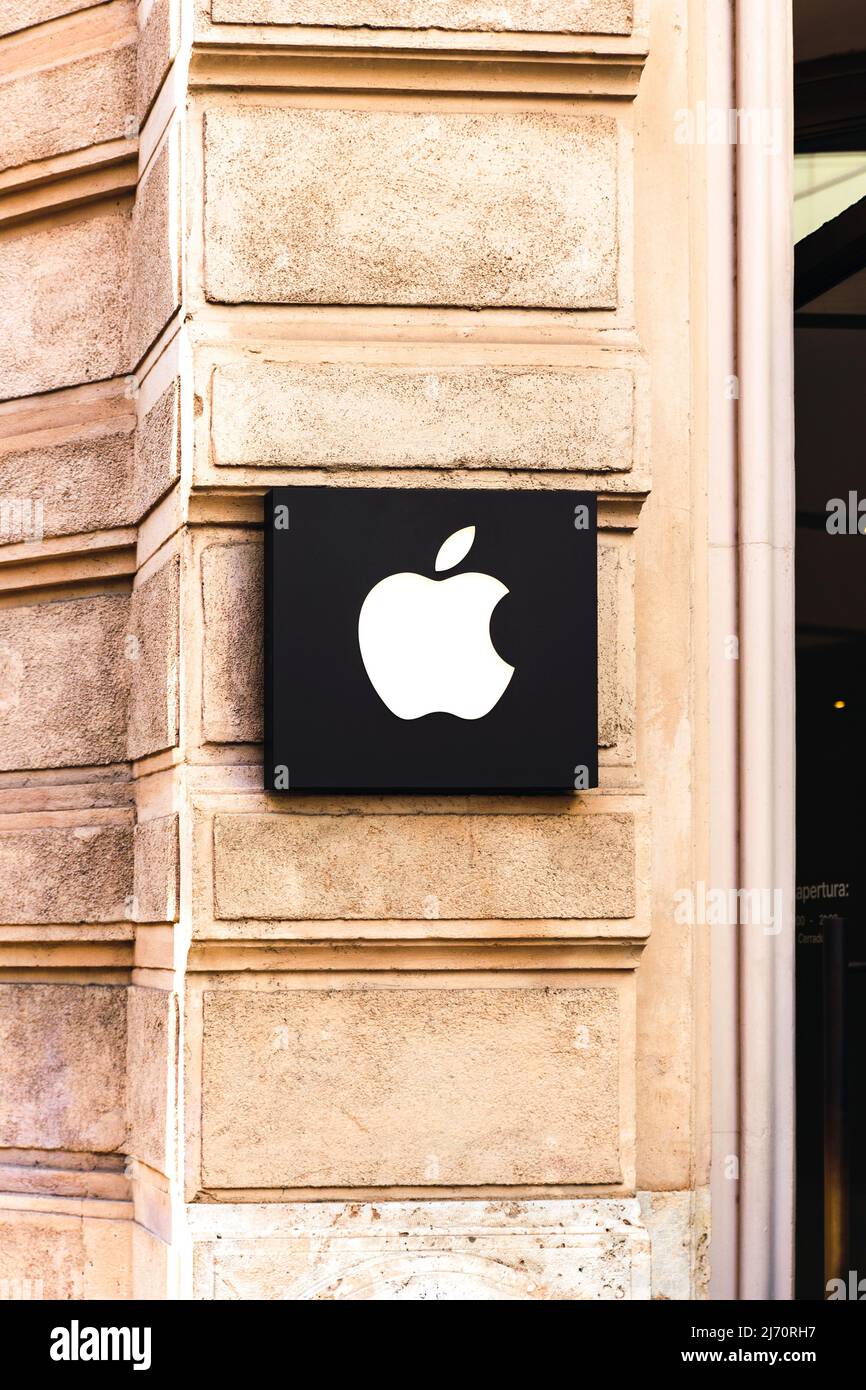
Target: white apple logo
{"points": [[426, 643]]}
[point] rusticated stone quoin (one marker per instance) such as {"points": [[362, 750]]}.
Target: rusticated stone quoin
{"points": [[156, 895], [151, 1019], [59, 328], [64, 681], [278, 414], [81, 484], [396, 866], [489, 209], [21, 14], [155, 285], [79, 873], [64, 1255], [157, 45], [67, 1092], [558, 16], [232, 683], [68, 105], [153, 655], [157, 450], [445, 1086]]}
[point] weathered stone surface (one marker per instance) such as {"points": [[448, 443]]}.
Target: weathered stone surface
{"points": [[157, 450], [557, 16], [593, 1248], [678, 1227], [156, 48], [49, 1255], [232, 675], [21, 14], [154, 1267], [64, 1066], [445, 1086], [63, 682], [397, 207], [42, 1256], [150, 1053], [77, 873], [67, 107], [63, 303], [155, 275], [616, 694], [82, 484], [395, 866], [278, 414], [153, 710], [156, 892]]}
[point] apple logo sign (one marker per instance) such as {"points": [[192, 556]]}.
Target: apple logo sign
{"points": [[425, 643], [407, 652]]}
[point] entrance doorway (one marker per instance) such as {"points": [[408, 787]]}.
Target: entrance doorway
{"points": [[830, 411]]}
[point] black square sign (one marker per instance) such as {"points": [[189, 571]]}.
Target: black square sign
{"points": [[421, 640]]}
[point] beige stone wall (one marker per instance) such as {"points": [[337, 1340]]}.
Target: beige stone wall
{"points": [[251, 242]]}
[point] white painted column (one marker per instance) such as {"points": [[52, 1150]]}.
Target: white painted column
{"points": [[766, 612]]}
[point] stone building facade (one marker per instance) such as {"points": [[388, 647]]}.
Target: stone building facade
{"points": [[402, 1047]]}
